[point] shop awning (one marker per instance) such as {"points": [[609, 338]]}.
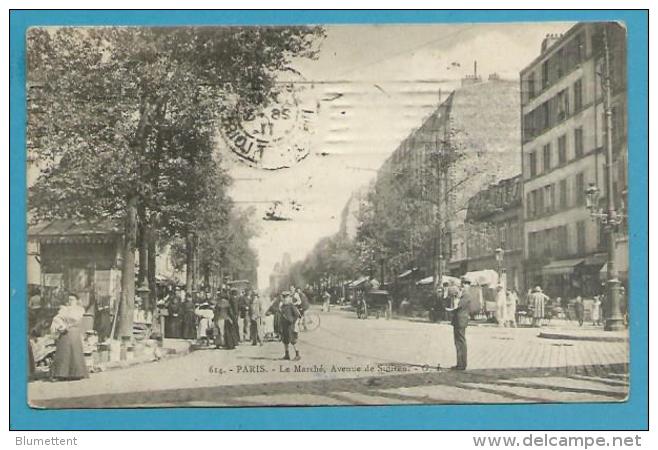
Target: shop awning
{"points": [[358, 282], [69, 231], [561, 266], [406, 273], [444, 279], [622, 273], [482, 277], [595, 260]]}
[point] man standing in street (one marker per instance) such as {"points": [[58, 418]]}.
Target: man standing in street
{"points": [[460, 316], [326, 301], [255, 316], [243, 313]]}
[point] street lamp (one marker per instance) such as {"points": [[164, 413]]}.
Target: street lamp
{"points": [[500, 255], [608, 217], [610, 221]]}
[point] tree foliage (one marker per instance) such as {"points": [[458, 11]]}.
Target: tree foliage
{"points": [[114, 111], [121, 123]]}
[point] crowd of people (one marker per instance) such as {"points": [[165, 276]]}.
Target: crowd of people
{"points": [[223, 320], [228, 317], [505, 307]]}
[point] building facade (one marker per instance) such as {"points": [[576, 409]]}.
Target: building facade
{"points": [[563, 152], [468, 142], [494, 220]]}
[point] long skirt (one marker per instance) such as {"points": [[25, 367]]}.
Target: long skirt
{"points": [[189, 327], [231, 336], [103, 324], [173, 327], [69, 361], [256, 331], [219, 330]]}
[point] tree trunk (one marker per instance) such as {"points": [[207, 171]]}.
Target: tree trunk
{"points": [[153, 294], [143, 246], [189, 263], [125, 326], [206, 274], [195, 261]]}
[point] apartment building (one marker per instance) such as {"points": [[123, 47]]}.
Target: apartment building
{"points": [[563, 152]]}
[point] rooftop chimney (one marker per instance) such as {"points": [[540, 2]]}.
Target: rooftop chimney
{"points": [[549, 40]]}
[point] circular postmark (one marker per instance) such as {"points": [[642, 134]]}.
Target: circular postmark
{"points": [[275, 136]]}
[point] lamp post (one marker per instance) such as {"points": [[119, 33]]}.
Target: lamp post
{"points": [[500, 255], [609, 218]]}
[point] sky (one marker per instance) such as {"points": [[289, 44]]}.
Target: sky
{"points": [[369, 88]]}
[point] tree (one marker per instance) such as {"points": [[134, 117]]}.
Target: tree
{"points": [[108, 103]]}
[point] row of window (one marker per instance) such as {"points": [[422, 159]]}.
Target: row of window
{"points": [[558, 65], [556, 242], [556, 197], [482, 240], [548, 160], [553, 111]]}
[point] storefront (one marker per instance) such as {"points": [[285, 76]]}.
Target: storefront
{"points": [[82, 258]]}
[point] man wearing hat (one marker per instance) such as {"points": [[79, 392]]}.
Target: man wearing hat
{"points": [[460, 316]]}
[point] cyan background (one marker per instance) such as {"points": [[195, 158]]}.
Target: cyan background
{"points": [[632, 414]]}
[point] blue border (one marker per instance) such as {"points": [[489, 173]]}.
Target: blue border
{"points": [[631, 415]]}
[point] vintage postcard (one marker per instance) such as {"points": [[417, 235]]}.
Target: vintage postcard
{"points": [[247, 216]]}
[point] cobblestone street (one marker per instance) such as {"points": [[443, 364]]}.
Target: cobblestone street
{"points": [[401, 362]]}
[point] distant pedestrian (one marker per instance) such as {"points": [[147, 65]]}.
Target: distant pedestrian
{"points": [[231, 327], [404, 307], [511, 302], [300, 300], [460, 317], [579, 309], [326, 301], [501, 306], [256, 320], [189, 319], [289, 316], [174, 319], [537, 300], [596, 311], [243, 319], [205, 315], [69, 361]]}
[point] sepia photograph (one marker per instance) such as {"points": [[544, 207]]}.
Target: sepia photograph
{"points": [[327, 215]]}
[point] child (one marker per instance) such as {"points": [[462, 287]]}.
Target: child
{"points": [[289, 315]]}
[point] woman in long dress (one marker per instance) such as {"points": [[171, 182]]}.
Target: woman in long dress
{"points": [[189, 320], [174, 320], [69, 362], [231, 333], [538, 301], [511, 301], [501, 306]]}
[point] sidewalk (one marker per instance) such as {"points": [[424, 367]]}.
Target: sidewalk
{"points": [[555, 329], [170, 348], [570, 330]]}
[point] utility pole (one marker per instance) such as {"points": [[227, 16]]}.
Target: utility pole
{"points": [[614, 321], [438, 246]]}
